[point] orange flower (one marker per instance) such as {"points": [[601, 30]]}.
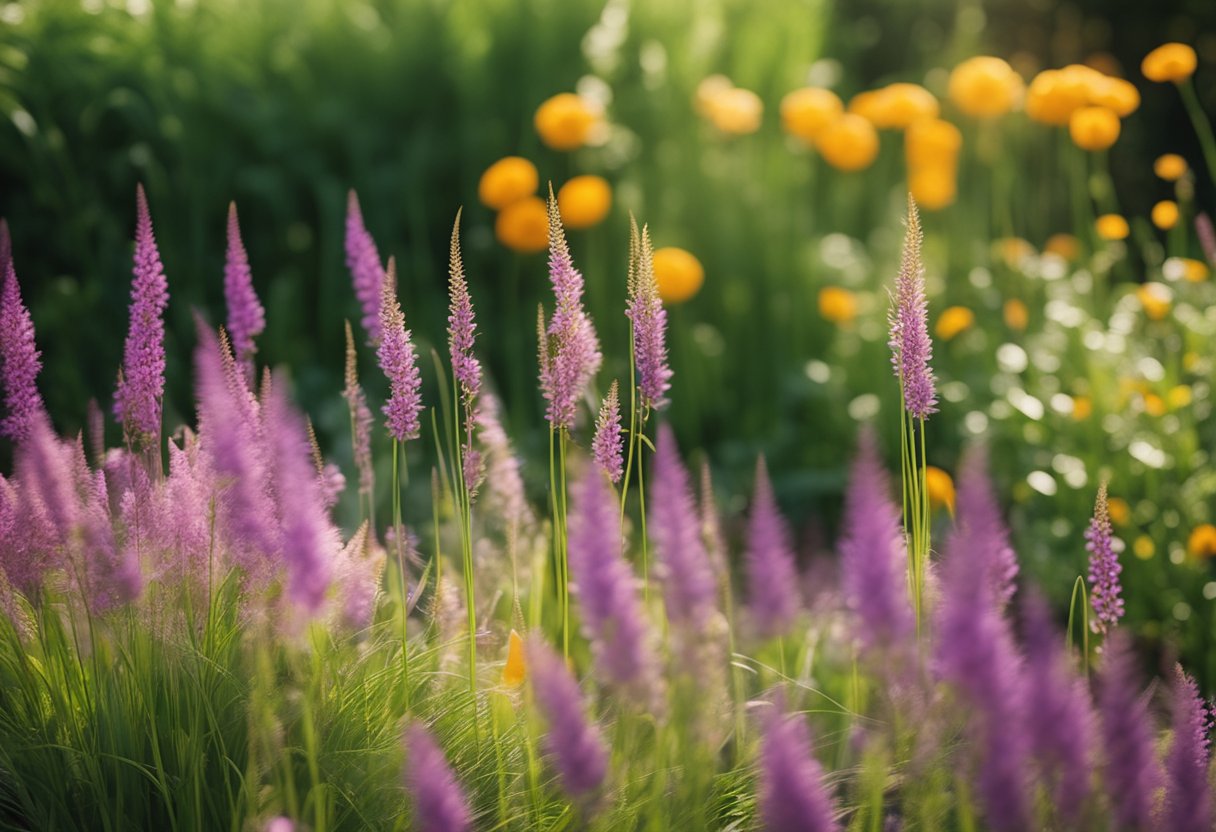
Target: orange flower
{"points": [[940, 486], [1154, 405], [1171, 167], [524, 226], [932, 141], [565, 121], [1118, 509], [680, 275], [508, 180], [1155, 298], [837, 305], [1063, 245], [1013, 250], [1119, 96], [1082, 407], [584, 201], [896, 106], [736, 111], [1202, 542], [708, 91], [1194, 270], [516, 668], [1093, 128], [1017, 316], [848, 143], [1165, 214], [985, 87], [1053, 96], [1169, 62], [1112, 227], [953, 321], [933, 186], [805, 112]]}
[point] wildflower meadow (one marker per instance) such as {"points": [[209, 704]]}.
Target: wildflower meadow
{"points": [[745, 438]]}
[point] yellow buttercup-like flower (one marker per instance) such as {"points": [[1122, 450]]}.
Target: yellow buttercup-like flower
{"points": [[1165, 214], [837, 304], [565, 121], [1017, 316], [736, 111], [848, 143], [1202, 541], [1155, 298], [680, 275], [523, 226], [508, 180], [896, 106], [1118, 509], [1169, 62], [1179, 396], [1053, 96], [932, 141], [1093, 128], [805, 112], [708, 91], [1112, 227], [1144, 548], [516, 668], [1171, 167], [584, 201], [1194, 270], [1117, 95], [1082, 408], [985, 87], [1154, 405], [953, 321], [1063, 245], [940, 486], [934, 187]]}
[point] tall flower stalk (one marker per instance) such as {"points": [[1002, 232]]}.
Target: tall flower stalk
{"points": [[1104, 568], [911, 351], [246, 317], [20, 360]]}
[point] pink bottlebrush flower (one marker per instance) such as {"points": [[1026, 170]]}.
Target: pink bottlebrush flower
{"points": [[439, 802], [112, 571], [472, 467], [873, 556], [978, 508], [360, 566], [570, 351], [772, 578], [246, 317], [399, 362], [366, 271], [612, 615], [607, 446], [573, 742], [792, 796], [462, 325], [141, 386], [1131, 772], [360, 419], [911, 347], [1104, 568], [1188, 797], [1207, 236], [20, 360], [648, 321]]}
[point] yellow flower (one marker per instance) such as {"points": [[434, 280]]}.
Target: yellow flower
{"points": [[1171, 167], [1118, 509], [516, 668], [1119, 96], [953, 321], [1144, 547], [940, 487], [1179, 396], [565, 121], [984, 87], [837, 305], [1194, 270], [1155, 298], [1202, 542], [736, 111], [1063, 245], [867, 104], [584, 201], [933, 186], [1154, 405], [679, 274], [1093, 128], [805, 112], [1169, 62], [1082, 408], [708, 91], [932, 141], [1013, 250], [1017, 316], [524, 226], [1053, 95], [508, 180], [896, 106], [848, 143], [1112, 227], [1165, 214]]}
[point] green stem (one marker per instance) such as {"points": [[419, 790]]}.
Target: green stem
{"points": [[1203, 127]]}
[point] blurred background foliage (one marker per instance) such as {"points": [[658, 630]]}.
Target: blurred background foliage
{"points": [[284, 106]]}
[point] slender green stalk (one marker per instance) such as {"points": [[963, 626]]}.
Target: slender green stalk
{"points": [[1203, 127]]}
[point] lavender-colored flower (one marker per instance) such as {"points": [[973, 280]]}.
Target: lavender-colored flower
{"points": [[366, 271], [1207, 236], [606, 589], [141, 386], [792, 796], [505, 495], [1059, 717], [21, 360], [648, 321], [1131, 774], [439, 802], [573, 742], [911, 348], [607, 446], [873, 556], [400, 364], [1188, 797], [772, 579], [711, 524], [978, 509], [570, 355], [360, 419], [279, 824], [246, 317], [461, 325], [1104, 568]]}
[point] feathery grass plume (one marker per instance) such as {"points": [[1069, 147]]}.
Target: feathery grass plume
{"points": [[1059, 717], [608, 446], [399, 362], [573, 742], [873, 555], [978, 508], [613, 619], [570, 355], [43, 496], [649, 320], [911, 348], [111, 571], [246, 317], [439, 802], [1131, 774], [791, 793], [20, 360], [1207, 236], [772, 578], [711, 524], [1104, 568], [141, 385], [1188, 794], [357, 575], [366, 269], [360, 421], [505, 496], [975, 654], [462, 325]]}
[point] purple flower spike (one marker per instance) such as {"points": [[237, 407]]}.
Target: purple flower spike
{"points": [[649, 320], [979, 510], [439, 802], [246, 317], [141, 385], [873, 557], [1131, 774], [607, 446], [772, 579], [573, 742], [1188, 797], [400, 363], [911, 348], [21, 360], [366, 269], [1207, 236], [1104, 568], [462, 325], [792, 796]]}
